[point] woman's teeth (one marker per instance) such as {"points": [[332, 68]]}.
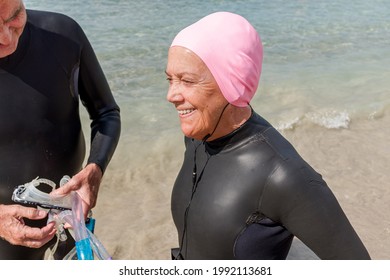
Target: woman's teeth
{"points": [[185, 112]]}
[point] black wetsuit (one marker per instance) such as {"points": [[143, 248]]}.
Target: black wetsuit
{"points": [[253, 193], [41, 84]]}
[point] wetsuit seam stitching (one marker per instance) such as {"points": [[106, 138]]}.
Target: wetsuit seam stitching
{"points": [[266, 185]]}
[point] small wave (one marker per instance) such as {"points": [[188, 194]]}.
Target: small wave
{"points": [[329, 119], [288, 125]]}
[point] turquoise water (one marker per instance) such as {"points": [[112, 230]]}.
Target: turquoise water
{"points": [[325, 62]]}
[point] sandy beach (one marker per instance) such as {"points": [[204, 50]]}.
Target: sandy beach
{"points": [[133, 211]]}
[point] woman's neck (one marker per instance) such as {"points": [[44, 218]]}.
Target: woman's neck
{"points": [[233, 118]]}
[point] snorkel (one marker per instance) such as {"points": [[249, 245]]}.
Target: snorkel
{"points": [[87, 246], [76, 219], [65, 210], [83, 246]]}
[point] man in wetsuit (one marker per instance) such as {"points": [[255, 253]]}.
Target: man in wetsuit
{"points": [[46, 66], [243, 192]]}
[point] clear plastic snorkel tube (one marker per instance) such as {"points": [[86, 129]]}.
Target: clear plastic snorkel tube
{"points": [[87, 246], [83, 245]]}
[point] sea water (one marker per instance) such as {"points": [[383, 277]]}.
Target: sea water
{"points": [[324, 61]]}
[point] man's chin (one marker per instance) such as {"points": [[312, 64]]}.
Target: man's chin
{"points": [[6, 51]]}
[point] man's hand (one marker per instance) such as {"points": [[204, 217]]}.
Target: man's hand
{"points": [[86, 183], [13, 229]]}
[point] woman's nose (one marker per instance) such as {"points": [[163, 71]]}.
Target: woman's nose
{"points": [[174, 93]]}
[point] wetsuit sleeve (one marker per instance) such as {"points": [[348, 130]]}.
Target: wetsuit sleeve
{"points": [[96, 96], [309, 210]]}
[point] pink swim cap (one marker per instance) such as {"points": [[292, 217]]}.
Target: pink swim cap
{"points": [[231, 49]]}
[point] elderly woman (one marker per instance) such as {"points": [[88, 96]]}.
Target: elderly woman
{"points": [[243, 191]]}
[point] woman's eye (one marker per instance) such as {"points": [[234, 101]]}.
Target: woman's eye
{"points": [[187, 81]]}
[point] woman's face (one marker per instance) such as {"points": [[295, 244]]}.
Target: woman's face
{"points": [[13, 18], [194, 92]]}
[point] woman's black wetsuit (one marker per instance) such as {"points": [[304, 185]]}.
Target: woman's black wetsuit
{"points": [[40, 86], [253, 193]]}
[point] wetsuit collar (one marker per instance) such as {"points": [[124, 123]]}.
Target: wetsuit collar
{"points": [[238, 136]]}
